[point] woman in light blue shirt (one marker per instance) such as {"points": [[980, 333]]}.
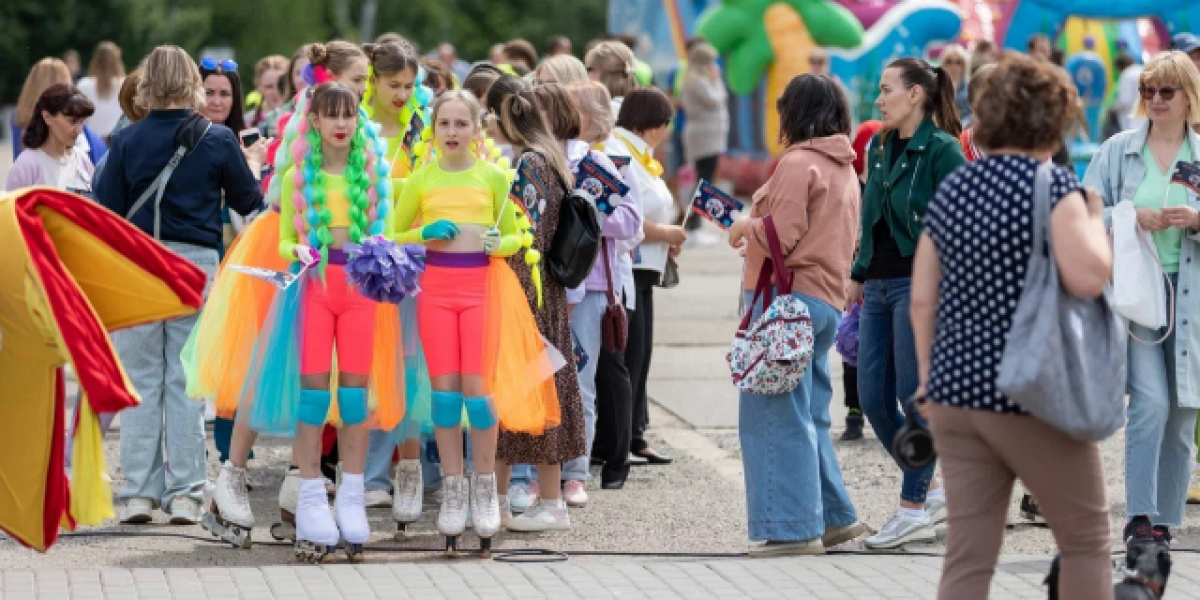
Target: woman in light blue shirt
{"points": [[1164, 364]]}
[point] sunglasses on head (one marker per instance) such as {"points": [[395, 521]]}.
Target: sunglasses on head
{"points": [[1167, 93], [212, 64]]}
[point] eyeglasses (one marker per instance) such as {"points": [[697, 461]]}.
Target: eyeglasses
{"points": [[954, 61], [1167, 93], [212, 64], [817, 61]]}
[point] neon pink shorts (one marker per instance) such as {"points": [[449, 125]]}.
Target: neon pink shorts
{"points": [[450, 315], [335, 312]]}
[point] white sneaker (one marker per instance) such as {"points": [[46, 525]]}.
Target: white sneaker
{"points": [[936, 509], [542, 518], [521, 497], [575, 495], [184, 511], [137, 510], [378, 499], [902, 529]]}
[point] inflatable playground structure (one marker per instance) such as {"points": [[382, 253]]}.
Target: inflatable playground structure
{"points": [[764, 43]]}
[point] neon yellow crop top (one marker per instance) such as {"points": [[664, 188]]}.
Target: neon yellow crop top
{"points": [[335, 200], [474, 196]]}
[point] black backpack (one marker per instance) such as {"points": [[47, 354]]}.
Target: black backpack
{"points": [[576, 243]]}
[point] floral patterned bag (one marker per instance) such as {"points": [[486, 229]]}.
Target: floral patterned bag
{"points": [[771, 355]]}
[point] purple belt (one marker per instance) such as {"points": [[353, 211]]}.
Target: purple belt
{"points": [[337, 257], [459, 260]]}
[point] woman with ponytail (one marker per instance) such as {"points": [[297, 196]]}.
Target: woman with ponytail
{"points": [[916, 150], [481, 343], [521, 125], [398, 102], [335, 194], [217, 357]]}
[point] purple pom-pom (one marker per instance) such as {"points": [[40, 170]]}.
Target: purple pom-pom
{"points": [[847, 336], [308, 75], [384, 271]]}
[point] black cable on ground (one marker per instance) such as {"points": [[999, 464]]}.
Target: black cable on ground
{"points": [[521, 555]]}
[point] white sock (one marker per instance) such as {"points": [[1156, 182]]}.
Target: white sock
{"points": [[915, 513], [353, 482], [939, 493]]}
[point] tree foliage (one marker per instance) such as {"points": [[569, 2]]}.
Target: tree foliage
{"points": [[33, 29]]}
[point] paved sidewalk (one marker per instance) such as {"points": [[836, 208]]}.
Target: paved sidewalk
{"points": [[829, 577]]}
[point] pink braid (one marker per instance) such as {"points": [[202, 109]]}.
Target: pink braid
{"points": [[300, 149]]}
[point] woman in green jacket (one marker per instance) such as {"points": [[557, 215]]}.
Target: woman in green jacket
{"points": [[917, 149]]}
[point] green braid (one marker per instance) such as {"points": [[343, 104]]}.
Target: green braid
{"points": [[316, 189], [356, 187]]}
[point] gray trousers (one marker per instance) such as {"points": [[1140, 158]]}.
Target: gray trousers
{"points": [[162, 439]]}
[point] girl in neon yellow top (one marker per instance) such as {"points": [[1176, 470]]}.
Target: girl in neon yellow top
{"points": [[500, 374], [396, 100], [334, 194]]}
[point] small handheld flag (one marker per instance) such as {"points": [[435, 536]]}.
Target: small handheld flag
{"points": [[1188, 175], [715, 205], [604, 188]]}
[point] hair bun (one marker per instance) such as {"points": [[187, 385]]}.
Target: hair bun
{"points": [[318, 54], [370, 49]]}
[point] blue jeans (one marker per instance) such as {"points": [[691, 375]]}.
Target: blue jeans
{"points": [[167, 424], [1159, 435], [794, 488], [585, 324], [887, 370]]}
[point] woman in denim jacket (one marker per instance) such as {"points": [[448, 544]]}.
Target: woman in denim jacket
{"points": [[1164, 392]]}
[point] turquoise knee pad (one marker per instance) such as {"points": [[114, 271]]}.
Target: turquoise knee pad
{"points": [[314, 407], [352, 405], [447, 409], [480, 412]]}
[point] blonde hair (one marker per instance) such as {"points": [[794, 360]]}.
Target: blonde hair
{"points": [[523, 125], [44, 74], [169, 77], [614, 62], [1172, 68], [594, 102], [956, 50], [464, 96], [565, 68], [275, 62], [106, 67]]}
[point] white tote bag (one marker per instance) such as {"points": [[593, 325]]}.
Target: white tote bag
{"points": [[1138, 292]]}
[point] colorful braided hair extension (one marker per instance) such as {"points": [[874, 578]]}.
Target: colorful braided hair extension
{"points": [[368, 216]]}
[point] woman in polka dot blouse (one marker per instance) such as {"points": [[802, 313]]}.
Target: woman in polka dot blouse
{"points": [[967, 279]]}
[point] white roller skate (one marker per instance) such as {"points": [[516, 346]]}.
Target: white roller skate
{"points": [[485, 508], [317, 534], [408, 496], [351, 511], [452, 518], [229, 517], [289, 494]]}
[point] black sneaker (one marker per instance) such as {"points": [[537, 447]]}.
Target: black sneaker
{"points": [[1139, 530], [854, 426], [1162, 534], [1030, 510]]}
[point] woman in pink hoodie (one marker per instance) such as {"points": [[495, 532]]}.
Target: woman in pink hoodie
{"points": [[795, 498]]}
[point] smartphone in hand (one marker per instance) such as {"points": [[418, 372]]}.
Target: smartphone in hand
{"points": [[250, 136]]}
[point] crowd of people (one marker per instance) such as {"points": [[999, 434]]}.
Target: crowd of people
{"points": [[920, 226]]}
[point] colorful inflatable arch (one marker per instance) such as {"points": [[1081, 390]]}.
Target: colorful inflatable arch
{"points": [[1021, 19]]}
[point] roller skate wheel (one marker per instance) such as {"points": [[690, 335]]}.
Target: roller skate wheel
{"points": [[451, 546], [401, 532], [485, 548], [355, 553], [283, 531]]}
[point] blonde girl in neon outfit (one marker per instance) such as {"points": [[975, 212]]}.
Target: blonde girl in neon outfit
{"points": [[335, 194], [217, 357], [398, 102], [481, 343]]}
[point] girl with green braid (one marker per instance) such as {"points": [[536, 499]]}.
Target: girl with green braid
{"points": [[334, 194]]}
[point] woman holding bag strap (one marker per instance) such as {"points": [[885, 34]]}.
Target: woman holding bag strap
{"points": [[1164, 393], [795, 498]]}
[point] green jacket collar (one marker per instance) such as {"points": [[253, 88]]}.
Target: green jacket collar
{"points": [[919, 144]]}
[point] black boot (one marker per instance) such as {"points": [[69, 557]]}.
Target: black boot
{"points": [[854, 426]]}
